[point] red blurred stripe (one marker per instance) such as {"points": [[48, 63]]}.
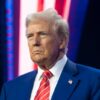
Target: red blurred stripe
{"points": [[35, 66], [66, 11], [40, 5], [64, 7], [59, 6]]}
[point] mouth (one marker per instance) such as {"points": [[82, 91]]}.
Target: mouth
{"points": [[36, 52]]}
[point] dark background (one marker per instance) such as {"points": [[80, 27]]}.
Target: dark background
{"points": [[3, 49], [89, 47]]}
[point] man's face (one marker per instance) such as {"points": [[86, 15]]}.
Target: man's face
{"points": [[44, 44]]}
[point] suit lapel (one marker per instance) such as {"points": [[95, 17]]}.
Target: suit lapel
{"points": [[67, 82]]}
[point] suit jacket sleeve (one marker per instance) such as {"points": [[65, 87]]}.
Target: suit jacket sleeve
{"points": [[3, 93]]}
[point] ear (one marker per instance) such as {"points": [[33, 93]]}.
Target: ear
{"points": [[63, 43]]}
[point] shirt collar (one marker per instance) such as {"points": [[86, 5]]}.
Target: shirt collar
{"points": [[58, 67]]}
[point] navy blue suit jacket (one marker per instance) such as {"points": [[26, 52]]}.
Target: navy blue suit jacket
{"points": [[77, 82]]}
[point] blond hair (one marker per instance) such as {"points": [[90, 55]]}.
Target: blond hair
{"points": [[53, 18]]}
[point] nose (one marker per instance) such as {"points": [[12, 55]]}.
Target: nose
{"points": [[36, 41]]}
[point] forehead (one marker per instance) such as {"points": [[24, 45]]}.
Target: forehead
{"points": [[38, 26]]}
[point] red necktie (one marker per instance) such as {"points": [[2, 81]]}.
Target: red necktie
{"points": [[44, 88]]}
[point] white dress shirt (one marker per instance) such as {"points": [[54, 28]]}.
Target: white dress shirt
{"points": [[56, 71]]}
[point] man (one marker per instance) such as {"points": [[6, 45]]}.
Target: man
{"points": [[57, 77]]}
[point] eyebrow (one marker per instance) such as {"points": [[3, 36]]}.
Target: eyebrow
{"points": [[36, 32]]}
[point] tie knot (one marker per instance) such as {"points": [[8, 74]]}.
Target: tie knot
{"points": [[47, 74]]}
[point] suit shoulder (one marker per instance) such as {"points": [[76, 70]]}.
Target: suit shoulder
{"points": [[88, 70], [22, 78]]}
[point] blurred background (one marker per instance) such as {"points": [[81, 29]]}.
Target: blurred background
{"points": [[84, 45]]}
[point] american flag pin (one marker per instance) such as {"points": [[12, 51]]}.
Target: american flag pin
{"points": [[70, 81]]}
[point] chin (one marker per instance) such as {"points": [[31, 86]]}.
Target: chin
{"points": [[38, 60]]}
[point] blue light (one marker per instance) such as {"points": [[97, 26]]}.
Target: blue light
{"points": [[10, 47]]}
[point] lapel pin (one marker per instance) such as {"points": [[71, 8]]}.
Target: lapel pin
{"points": [[70, 81]]}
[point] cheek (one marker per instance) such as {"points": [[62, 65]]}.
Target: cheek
{"points": [[51, 48], [30, 47]]}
